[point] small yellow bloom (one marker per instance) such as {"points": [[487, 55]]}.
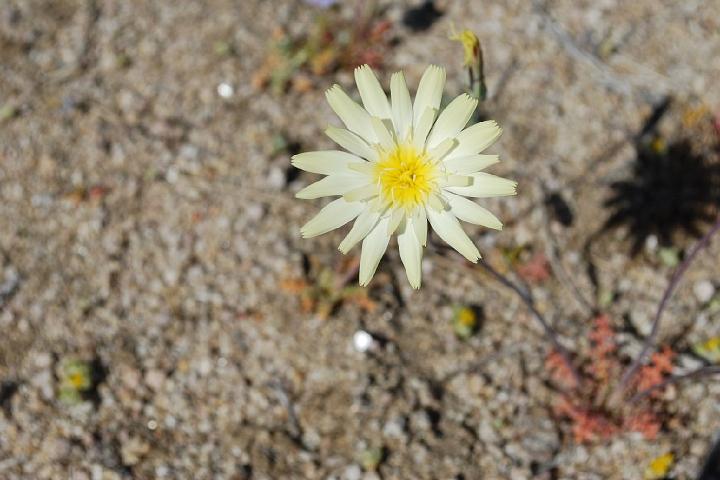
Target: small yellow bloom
{"points": [[75, 379], [713, 344], [470, 43], [465, 321], [659, 146], [659, 466], [467, 317], [76, 375], [709, 349]]}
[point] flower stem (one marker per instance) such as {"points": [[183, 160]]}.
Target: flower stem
{"points": [[549, 332]]}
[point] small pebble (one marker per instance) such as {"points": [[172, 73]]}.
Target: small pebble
{"points": [[352, 472], [704, 291], [427, 266], [362, 341], [276, 178], [651, 243], [225, 90], [394, 428]]}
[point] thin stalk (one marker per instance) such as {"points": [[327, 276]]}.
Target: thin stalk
{"points": [[674, 281], [549, 332], [482, 90]]}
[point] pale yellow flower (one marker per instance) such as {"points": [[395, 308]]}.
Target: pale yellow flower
{"points": [[405, 165]]}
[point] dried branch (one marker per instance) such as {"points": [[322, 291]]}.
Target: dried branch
{"points": [[674, 281], [549, 332], [699, 372]]}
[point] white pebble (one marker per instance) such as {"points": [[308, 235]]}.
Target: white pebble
{"points": [[352, 472], [225, 90], [704, 291], [276, 178], [172, 175], [362, 341], [651, 243], [427, 266]]}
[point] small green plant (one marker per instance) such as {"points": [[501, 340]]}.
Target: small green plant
{"points": [[370, 459], [326, 289], [333, 43], [75, 380]]}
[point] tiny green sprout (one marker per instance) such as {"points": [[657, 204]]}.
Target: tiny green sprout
{"points": [[669, 256], [465, 321], [279, 143], [605, 297], [222, 48], [7, 112], [609, 45], [512, 254], [714, 305], [75, 379], [371, 458], [123, 60]]}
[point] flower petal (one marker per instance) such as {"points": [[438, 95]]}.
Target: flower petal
{"points": [[436, 202], [455, 181], [362, 193], [355, 118], [366, 168], [372, 94], [452, 120], [410, 253], [422, 127], [420, 225], [396, 216], [469, 211], [443, 148], [335, 184], [476, 138], [335, 214], [373, 248], [351, 142], [470, 163], [449, 229], [429, 93], [485, 185], [362, 226], [384, 137], [402, 113], [326, 162]]}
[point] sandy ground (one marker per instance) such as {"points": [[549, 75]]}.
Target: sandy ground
{"points": [[148, 228]]}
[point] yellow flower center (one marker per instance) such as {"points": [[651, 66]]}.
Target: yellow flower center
{"points": [[406, 176]]}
